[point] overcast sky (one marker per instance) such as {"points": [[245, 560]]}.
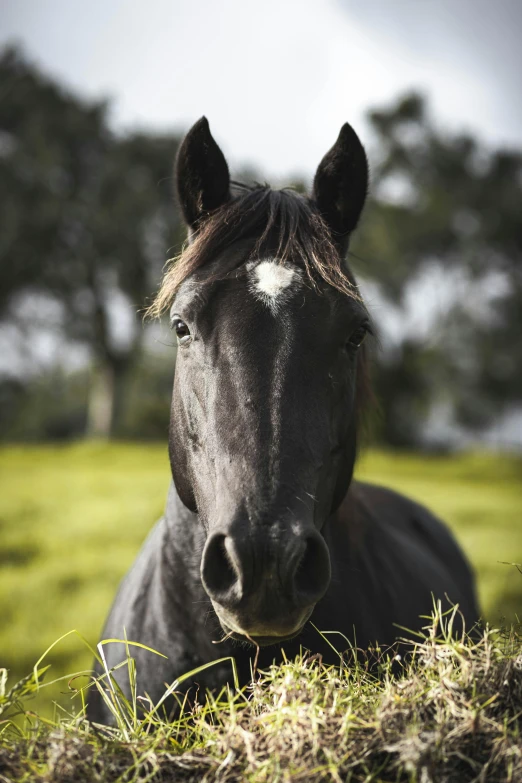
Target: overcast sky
{"points": [[278, 78]]}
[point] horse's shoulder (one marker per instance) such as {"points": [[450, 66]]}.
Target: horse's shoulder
{"points": [[391, 506], [386, 510]]}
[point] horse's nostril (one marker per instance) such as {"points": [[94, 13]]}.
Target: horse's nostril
{"points": [[217, 570], [312, 573]]}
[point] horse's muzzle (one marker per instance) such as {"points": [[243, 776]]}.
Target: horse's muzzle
{"points": [[261, 591]]}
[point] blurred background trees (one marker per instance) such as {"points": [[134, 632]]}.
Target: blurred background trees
{"points": [[443, 231], [88, 221]]}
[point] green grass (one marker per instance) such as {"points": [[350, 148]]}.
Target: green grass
{"points": [[72, 519]]}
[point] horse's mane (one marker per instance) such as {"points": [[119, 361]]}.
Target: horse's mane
{"points": [[288, 226], [283, 220]]}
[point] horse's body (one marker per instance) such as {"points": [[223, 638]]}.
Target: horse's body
{"points": [[389, 555], [263, 523]]}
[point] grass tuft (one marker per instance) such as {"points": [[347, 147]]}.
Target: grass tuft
{"points": [[449, 711]]}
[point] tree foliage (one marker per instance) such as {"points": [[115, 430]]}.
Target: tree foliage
{"points": [[445, 201], [87, 220]]}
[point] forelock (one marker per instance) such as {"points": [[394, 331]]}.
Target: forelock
{"points": [[284, 228]]}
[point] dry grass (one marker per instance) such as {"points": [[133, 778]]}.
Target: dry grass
{"points": [[451, 713]]}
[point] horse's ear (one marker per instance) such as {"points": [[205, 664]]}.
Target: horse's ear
{"points": [[341, 184], [202, 177]]}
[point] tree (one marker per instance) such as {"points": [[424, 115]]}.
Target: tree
{"points": [[444, 200], [87, 221], [88, 217]]}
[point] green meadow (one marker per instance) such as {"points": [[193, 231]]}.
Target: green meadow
{"points": [[72, 519]]}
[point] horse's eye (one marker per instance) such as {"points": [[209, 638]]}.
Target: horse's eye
{"points": [[181, 329], [357, 338]]}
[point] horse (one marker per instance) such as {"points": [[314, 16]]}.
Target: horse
{"points": [[264, 526]]}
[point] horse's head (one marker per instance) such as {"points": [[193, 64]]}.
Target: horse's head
{"points": [[269, 325]]}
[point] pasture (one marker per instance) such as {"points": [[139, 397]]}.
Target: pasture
{"points": [[72, 519]]}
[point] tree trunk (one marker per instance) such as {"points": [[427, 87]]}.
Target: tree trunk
{"points": [[109, 374], [121, 371], [107, 394], [100, 407]]}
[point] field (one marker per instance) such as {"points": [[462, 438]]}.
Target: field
{"points": [[72, 519]]}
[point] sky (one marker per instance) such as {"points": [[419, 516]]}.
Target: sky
{"points": [[277, 79]]}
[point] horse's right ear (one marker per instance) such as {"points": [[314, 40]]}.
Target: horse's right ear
{"points": [[202, 177]]}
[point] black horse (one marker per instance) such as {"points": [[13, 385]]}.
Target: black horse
{"points": [[264, 525]]}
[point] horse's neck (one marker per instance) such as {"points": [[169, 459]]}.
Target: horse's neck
{"points": [[347, 524], [184, 540], [184, 595]]}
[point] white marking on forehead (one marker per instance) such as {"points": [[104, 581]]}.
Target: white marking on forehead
{"points": [[270, 281]]}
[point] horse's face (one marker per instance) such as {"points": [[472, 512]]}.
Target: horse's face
{"points": [[262, 439]]}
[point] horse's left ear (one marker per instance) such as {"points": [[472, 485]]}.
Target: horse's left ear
{"points": [[341, 185], [202, 177]]}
